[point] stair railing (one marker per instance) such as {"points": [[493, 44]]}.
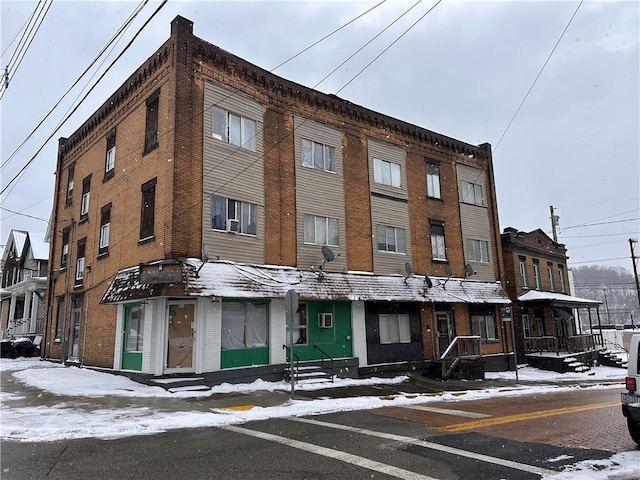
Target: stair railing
{"points": [[292, 354], [461, 347], [329, 358]]}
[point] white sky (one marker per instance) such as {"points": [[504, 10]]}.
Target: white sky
{"points": [[73, 415], [462, 71]]}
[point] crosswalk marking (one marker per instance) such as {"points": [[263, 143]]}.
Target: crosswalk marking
{"points": [[447, 411], [433, 446], [335, 454]]}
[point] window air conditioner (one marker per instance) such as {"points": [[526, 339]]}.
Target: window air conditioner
{"points": [[233, 225], [325, 320]]}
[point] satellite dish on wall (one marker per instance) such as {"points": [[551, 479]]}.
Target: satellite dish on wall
{"points": [[449, 274], [408, 270], [468, 270], [427, 282], [327, 254], [204, 258]]}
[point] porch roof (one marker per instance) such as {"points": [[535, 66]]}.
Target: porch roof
{"points": [[228, 279], [558, 299]]}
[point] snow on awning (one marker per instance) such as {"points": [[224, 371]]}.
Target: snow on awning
{"points": [[558, 299], [227, 279], [127, 286]]}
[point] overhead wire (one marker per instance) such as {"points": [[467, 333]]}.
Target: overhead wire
{"points": [[113, 39], [260, 157], [22, 50], [18, 32], [86, 95]]}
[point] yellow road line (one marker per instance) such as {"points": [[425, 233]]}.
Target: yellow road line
{"points": [[524, 416]]}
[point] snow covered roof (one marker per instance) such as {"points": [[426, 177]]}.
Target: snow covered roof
{"points": [[39, 247], [558, 299], [19, 239], [227, 279]]}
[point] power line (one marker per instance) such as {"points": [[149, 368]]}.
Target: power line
{"points": [[84, 98], [602, 223], [537, 76], [23, 215], [118, 33], [595, 261], [18, 33], [22, 49]]}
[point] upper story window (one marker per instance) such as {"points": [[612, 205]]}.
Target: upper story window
{"points": [[321, 230], [151, 125], [387, 173], [523, 272], [478, 251], [70, 173], [536, 274], [433, 180], [80, 261], [234, 129], [472, 193], [319, 156], [234, 216], [391, 239], [563, 286], [84, 204], [147, 209], [552, 283], [110, 159], [438, 249], [105, 229], [65, 248]]}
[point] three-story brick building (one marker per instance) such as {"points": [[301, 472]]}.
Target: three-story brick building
{"points": [[387, 232]]}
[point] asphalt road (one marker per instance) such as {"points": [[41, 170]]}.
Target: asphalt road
{"points": [[520, 437]]}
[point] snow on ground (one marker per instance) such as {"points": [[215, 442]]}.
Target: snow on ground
{"points": [[70, 406]]}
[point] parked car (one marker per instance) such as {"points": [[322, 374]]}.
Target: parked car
{"points": [[18, 347], [631, 398]]}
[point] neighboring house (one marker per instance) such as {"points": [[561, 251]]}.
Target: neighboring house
{"points": [[24, 279], [544, 311], [387, 232]]}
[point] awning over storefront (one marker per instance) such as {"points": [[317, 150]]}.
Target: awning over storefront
{"points": [[227, 279], [558, 300]]}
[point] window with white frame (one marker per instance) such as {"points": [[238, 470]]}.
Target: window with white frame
{"points": [[552, 283], [391, 239], [438, 248], [244, 325], [321, 230], [65, 247], [536, 274], [234, 129], [394, 328], [110, 160], [526, 327], [86, 193], [484, 326], [523, 272], [70, 184], [234, 216], [105, 228], [433, 180], [318, 155], [563, 286], [472, 193], [80, 261], [478, 250], [387, 173]]}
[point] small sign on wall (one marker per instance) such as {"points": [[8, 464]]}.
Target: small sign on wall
{"points": [[506, 313]]}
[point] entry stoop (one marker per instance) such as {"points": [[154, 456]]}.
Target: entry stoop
{"points": [[307, 374]]}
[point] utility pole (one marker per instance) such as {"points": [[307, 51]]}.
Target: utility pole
{"points": [[554, 224], [635, 266]]}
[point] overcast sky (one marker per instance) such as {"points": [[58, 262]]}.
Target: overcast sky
{"points": [[462, 71]]}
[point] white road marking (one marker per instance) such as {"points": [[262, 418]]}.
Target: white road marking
{"points": [[331, 453], [433, 446], [447, 411]]}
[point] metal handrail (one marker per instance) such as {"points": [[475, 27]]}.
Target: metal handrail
{"points": [[460, 347], [294, 375], [328, 356]]}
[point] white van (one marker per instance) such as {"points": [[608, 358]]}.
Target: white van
{"points": [[631, 398]]}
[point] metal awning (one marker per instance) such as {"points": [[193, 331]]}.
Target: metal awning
{"points": [[228, 279], [558, 300]]}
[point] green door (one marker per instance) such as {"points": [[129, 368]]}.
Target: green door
{"points": [[133, 335]]}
